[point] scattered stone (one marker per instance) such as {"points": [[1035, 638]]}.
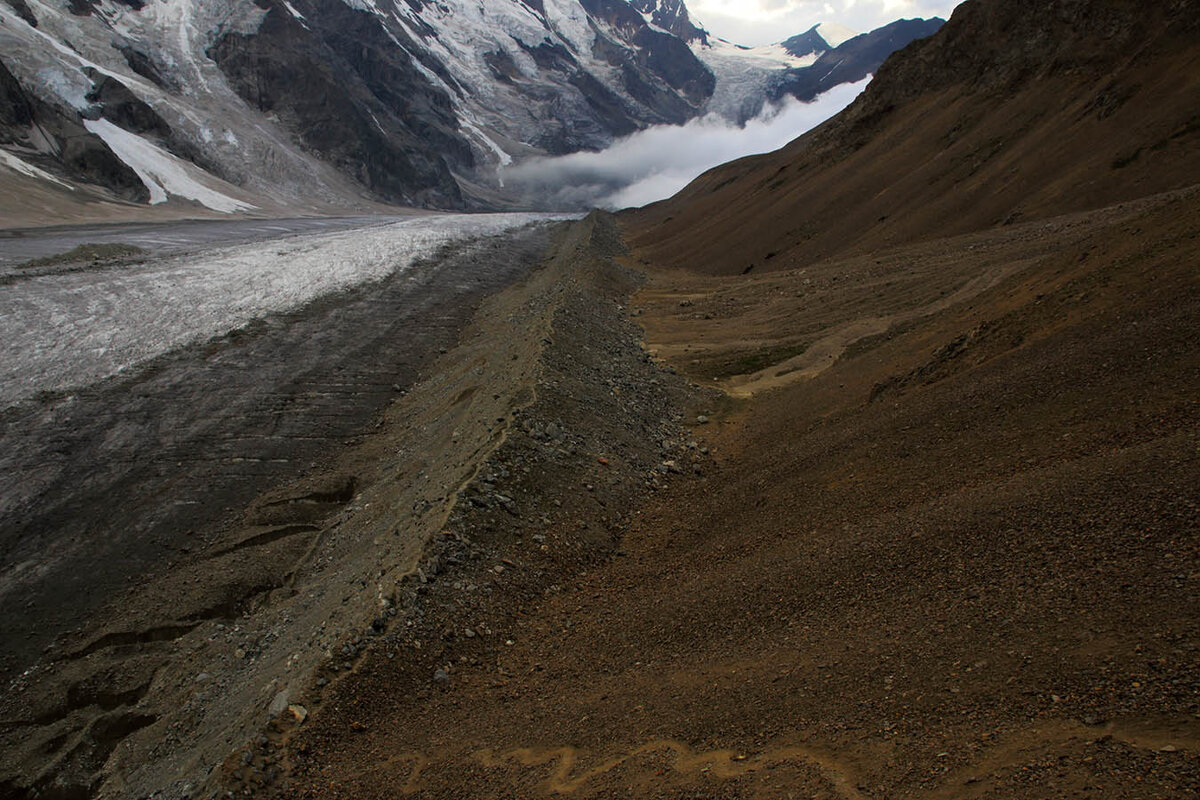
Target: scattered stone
{"points": [[299, 713], [441, 677], [702, 419], [279, 704]]}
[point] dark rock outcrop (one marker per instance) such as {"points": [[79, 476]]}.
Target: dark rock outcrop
{"points": [[64, 143], [806, 44], [660, 71], [672, 16], [147, 67], [122, 107], [15, 110], [344, 89], [23, 11]]}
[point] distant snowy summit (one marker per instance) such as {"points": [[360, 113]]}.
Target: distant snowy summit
{"points": [[331, 103]]}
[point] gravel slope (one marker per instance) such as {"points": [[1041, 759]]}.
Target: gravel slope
{"points": [[959, 561]]}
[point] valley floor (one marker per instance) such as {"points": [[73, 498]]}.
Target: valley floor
{"points": [[918, 524]]}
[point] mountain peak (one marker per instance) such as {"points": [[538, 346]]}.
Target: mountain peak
{"points": [[809, 43], [672, 16], [822, 37], [834, 34]]}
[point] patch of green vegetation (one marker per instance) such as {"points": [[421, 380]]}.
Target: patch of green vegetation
{"points": [[759, 359], [869, 343], [90, 253]]}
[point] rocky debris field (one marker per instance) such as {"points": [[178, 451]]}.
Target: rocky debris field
{"points": [[598, 430]]}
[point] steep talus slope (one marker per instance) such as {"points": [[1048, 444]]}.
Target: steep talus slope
{"points": [[1012, 111], [952, 558]]}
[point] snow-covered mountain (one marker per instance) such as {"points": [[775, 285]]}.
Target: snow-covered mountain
{"points": [[289, 103]]}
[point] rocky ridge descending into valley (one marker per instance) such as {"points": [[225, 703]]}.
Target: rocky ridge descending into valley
{"points": [[513, 463]]}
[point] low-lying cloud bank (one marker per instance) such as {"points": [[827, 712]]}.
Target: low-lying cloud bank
{"points": [[656, 163]]}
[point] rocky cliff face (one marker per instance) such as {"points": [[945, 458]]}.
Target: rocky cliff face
{"points": [[291, 102], [28, 123], [348, 90], [671, 16]]}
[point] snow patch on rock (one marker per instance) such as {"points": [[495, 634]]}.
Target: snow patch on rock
{"points": [[162, 173], [16, 164], [835, 34]]}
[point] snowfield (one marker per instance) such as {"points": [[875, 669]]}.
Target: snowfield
{"points": [[73, 329]]}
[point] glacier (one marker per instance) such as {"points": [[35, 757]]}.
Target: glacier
{"points": [[68, 330]]}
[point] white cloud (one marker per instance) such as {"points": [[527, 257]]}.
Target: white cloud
{"points": [[656, 163], [755, 22]]}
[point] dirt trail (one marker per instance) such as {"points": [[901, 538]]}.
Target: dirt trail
{"points": [[957, 562]]}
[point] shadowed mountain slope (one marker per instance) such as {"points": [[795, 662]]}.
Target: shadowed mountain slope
{"points": [[1013, 111]]}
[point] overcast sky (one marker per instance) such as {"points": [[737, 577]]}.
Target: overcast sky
{"points": [[755, 22]]}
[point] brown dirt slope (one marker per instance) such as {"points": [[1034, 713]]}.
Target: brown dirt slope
{"points": [[1013, 111], [957, 561]]}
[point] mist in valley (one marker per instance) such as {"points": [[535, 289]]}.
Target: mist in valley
{"points": [[655, 163]]}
